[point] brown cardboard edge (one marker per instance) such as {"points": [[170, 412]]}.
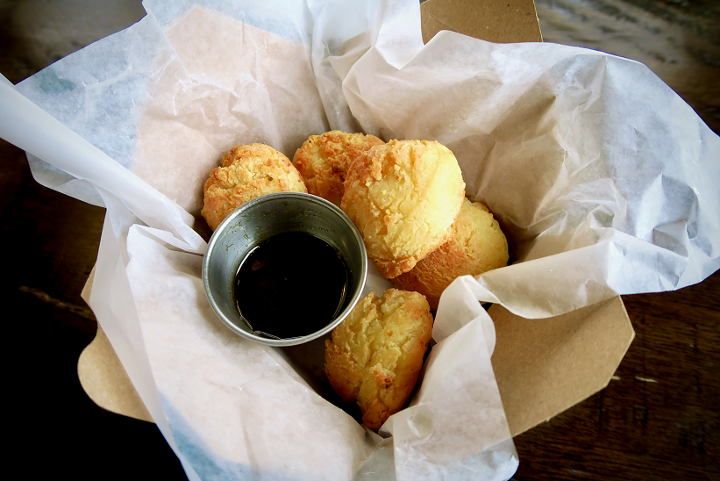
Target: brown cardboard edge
{"points": [[103, 376], [545, 366], [504, 21]]}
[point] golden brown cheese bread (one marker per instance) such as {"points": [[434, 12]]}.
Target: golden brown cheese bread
{"points": [[404, 197], [477, 246], [376, 354], [323, 160], [247, 172]]}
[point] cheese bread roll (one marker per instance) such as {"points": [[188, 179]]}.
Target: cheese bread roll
{"points": [[404, 197], [477, 246], [323, 160], [247, 172], [376, 354]]}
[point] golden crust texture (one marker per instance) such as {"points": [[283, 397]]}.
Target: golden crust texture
{"points": [[477, 246], [323, 160], [404, 197], [247, 172], [376, 354]]}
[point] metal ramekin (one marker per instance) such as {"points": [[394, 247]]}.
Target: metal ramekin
{"points": [[258, 220]]}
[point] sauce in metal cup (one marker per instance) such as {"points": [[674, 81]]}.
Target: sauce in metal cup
{"points": [[274, 313]]}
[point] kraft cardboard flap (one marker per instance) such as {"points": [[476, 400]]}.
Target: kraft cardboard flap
{"points": [[503, 21], [103, 376], [105, 381], [545, 366]]}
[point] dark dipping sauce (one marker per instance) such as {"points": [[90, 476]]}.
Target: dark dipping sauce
{"points": [[291, 285]]}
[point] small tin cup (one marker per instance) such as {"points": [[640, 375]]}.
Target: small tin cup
{"points": [[262, 218]]}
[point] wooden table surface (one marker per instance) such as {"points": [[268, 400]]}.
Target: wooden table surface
{"points": [[657, 420]]}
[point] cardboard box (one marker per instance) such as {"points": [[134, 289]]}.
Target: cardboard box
{"points": [[543, 367]]}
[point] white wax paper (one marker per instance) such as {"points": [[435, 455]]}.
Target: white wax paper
{"points": [[605, 181]]}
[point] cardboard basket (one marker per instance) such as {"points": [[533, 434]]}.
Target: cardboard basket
{"points": [[542, 367]]}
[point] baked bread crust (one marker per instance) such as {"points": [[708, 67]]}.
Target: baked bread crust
{"points": [[376, 354], [477, 246], [323, 160], [247, 172], [404, 197]]}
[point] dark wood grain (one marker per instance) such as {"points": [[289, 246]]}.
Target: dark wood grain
{"points": [[657, 420]]}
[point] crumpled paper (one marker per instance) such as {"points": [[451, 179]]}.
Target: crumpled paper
{"points": [[602, 177]]}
